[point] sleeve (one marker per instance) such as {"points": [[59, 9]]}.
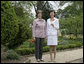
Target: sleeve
{"points": [[56, 25], [48, 25], [45, 28], [34, 24]]}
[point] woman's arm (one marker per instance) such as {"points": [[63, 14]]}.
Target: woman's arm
{"points": [[56, 25], [45, 29], [34, 24]]}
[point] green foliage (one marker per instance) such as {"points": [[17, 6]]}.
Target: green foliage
{"points": [[12, 55], [15, 24], [25, 51], [45, 7], [71, 18], [16, 21], [23, 34], [25, 31], [9, 24], [70, 11], [46, 49], [26, 44], [3, 52], [45, 43], [72, 25]]}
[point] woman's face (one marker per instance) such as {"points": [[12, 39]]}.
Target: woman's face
{"points": [[39, 15], [51, 14]]}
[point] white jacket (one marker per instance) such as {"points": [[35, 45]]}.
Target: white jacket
{"points": [[50, 29]]}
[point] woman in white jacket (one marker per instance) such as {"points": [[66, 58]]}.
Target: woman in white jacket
{"points": [[52, 27]]}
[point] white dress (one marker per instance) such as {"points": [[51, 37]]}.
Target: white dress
{"points": [[52, 31]]}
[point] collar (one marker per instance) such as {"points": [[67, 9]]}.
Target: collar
{"points": [[39, 19], [54, 18]]}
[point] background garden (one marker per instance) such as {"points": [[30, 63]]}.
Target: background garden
{"points": [[16, 26]]}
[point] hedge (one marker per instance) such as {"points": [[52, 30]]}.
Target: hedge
{"points": [[27, 51]]}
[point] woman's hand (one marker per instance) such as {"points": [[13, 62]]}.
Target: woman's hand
{"points": [[52, 25], [45, 38], [34, 38]]}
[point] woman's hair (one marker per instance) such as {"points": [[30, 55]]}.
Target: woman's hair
{"points": [[39, 11], [52, 11]]}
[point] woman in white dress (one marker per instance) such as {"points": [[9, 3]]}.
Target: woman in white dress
{"points": [[52, 27]]}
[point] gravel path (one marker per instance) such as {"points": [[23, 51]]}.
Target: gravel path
{"points": [[61, 56]]}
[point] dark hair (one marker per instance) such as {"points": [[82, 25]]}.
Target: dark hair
{"points": [[39, 11], [52, 11]]}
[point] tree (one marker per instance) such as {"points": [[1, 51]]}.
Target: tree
{"points": [[24, 21], [70, 11], [72, 25], [9, 24], [45, 6], [15, 24], [71, 18]]}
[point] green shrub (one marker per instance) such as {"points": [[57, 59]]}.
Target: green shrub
{"points": [[3, 52], [9, 24], [27, 44], [24, 21], [46, 49], [23, 33], [12, 55], [61, 47], [14, 29], [79, 44], [45, 43], [24, 46], [25, 51], [72, 45]]}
